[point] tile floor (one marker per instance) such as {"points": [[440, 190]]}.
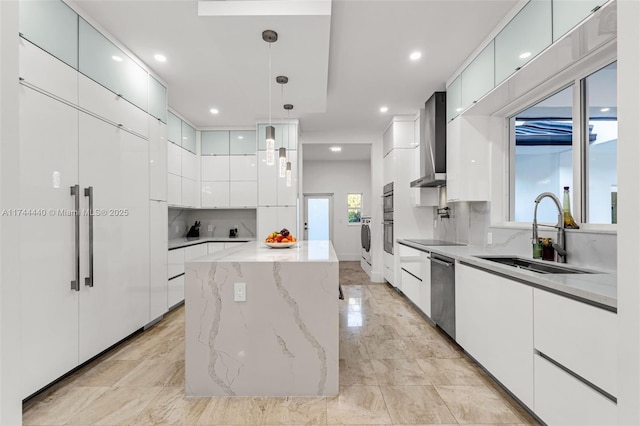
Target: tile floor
{"points": [[395, 369]]}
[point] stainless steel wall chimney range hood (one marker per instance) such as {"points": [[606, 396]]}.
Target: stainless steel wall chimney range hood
{"points": [[433, 142]]}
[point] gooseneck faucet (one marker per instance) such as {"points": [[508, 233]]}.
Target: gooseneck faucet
{"points": [[559, 245]]}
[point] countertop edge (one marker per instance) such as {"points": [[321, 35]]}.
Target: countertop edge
{"points": [[182, 242], [542, 282]]}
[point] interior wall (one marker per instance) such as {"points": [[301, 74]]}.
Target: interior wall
{"points": [[220, 220], [341, 178]]}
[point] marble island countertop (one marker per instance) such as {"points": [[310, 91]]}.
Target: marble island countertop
{"points": [[599, 288], [185, 242], [257, 251]]}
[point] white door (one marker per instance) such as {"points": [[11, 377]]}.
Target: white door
{"points": [[48, 169], [115, 164], [318, 216]]}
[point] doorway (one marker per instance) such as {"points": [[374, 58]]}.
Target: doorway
{"points": [[318, 216]]}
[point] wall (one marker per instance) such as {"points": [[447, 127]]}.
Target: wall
{"points": [[221, 220], [340, 178], [10, 294]]}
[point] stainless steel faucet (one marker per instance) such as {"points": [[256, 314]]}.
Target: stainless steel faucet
{"points": [[559, 245]]}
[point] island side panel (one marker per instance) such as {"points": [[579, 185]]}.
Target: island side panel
{"points": [[283, 341]]}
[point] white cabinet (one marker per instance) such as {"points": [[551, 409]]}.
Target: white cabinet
{"points": [[174, 189], [189, 192], [561, 399], [243, 168], [389, 268], [468, 159], [568, 13], [174, 159], [478, 77], [275, 218], [157, 160], [410, 285], [494, 323], [177, 258], [415, 275], [399, 134], [454, 101], [288, 195], [424, 302], [214, 168], [267, 182], [189, 165], [158, 221], [46, 72], [176, 263], [526, 35], [578, 336], [243, 194], [215, 194], [157, 100], [175, 291]]}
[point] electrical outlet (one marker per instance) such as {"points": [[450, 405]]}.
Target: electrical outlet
{"points": [[240, 292], [489, 238], [210, 228]]}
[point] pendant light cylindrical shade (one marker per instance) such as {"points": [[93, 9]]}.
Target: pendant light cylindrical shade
{"points": [[270, 136], [289, 174], [282, 154]]}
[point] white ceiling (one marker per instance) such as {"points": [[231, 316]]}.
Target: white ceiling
{"points": [[337, 86]]}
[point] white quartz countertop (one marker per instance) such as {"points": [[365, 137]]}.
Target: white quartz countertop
{"points": [[599, 288], [257, 251], [185, 242]]}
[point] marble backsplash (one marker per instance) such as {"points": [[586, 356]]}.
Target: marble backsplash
{"points": [[180, 220], [469, 223]]}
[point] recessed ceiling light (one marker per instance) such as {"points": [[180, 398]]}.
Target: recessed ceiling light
{"points": [[160, 57], [213, 111], [458, 109], [415, 56], [605, 109], [384, 109], [335, 149], [116, 58], [525, 55], [240, 137]]}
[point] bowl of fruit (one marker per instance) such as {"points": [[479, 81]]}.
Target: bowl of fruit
{"points": [[282, 239]]}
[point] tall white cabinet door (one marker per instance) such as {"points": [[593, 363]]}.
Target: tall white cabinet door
{"points": [[116, 164], [267, 185], [157, 160], [288, 218], [267, 221], [48, 168], [288, 195], [215, 194], [243, 168], [158, 249], [189, 192], [214, 168], [174, 189], [243, 194]]}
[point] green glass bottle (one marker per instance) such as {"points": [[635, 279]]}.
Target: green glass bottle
{"points": [[569, 223]]}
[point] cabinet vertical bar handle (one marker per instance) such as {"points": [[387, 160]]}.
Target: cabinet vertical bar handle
{"points": [[88, 192], [75, 192]]}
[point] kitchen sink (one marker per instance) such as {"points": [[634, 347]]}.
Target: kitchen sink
{"points": [[531, 265]]}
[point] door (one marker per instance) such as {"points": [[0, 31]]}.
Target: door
{"points": [[48, 169], [115, 164], [318, 216]]}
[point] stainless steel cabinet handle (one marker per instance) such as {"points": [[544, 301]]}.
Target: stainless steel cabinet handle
{"points": [[88, 192], [441, 262], [75, 192]]}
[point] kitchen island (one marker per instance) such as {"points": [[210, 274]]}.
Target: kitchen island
{"points": [[282, 340]]}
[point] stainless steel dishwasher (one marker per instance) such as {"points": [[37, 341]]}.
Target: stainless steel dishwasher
{"points": [[443, 293]]}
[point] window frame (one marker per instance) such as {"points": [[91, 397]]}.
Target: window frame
{"points": [[359, 223], [579, 145]]}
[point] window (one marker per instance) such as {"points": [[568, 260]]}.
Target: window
{"points": [[549, 137], [354, 208]]}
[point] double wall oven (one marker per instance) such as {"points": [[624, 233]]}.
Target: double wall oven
{"points": [[387, 212]]}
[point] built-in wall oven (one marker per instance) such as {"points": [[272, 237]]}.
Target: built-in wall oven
{"points": [[387, 212]]}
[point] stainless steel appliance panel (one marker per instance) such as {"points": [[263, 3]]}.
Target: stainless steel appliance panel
{"points": [[388, 236], [443, 293]]}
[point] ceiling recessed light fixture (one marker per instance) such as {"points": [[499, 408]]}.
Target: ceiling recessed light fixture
{"points": [[384, 109], [458, 109], [116, 58], [336, 148], [241, 137], [160, 57], [525, 55], [605, 109], [415, 56], [214, 111]]}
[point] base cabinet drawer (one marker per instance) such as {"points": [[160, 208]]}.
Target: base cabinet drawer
{"points": [[579, 336], [410, 285], [561, 399], [175, 293], [175, 261]]}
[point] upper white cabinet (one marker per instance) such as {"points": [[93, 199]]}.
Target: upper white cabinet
{"points": [[53, 26], [568, 13], [478, 78], [188, 138], [526, 35], [468, 158], [157, 100], [102, 61], [183, 185], [454, 99], [174, 125], [214, 142], [157, 160], [399, 134], [243, 142], [286, 136]]}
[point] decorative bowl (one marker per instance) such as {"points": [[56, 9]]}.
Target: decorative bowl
{"points": [[281, 245]]}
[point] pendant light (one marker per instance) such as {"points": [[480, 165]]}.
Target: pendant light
{"points": [[270, 36], [282, 152], [288, 172]]}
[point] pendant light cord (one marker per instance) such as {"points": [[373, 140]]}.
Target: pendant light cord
{"points": [[269, 84]]}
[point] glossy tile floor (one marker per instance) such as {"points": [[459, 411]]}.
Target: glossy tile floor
{"points": [[395, 369]]}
